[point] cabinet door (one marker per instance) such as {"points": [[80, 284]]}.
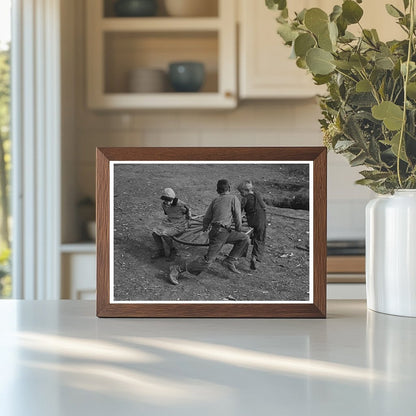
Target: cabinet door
{"points": [[266, 71], [265, 68], [78, 276]]}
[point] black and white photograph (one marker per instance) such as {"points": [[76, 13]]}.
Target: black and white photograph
{"points": [[211, 232]]}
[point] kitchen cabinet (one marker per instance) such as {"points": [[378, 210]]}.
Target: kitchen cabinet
{"points": [[118, 45], [265, 69], [78, 263]]}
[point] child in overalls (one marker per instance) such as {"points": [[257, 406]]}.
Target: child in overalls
{"points": [[176, 222], [255, 208]]}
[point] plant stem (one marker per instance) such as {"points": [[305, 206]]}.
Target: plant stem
{"points": [[373, 88], [405, 81], [391, 98], [346, 75]]}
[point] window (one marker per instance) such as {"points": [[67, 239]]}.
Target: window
{"points": [[5, 147]]}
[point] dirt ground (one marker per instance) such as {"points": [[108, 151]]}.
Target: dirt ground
{"points": [[283, 274]]}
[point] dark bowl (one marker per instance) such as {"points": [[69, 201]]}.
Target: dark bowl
{"points": [[186, 76], [135, 8]]}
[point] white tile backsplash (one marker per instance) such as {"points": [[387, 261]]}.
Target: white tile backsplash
{"points": [[257, 123], [215, 120], [171, 138]]}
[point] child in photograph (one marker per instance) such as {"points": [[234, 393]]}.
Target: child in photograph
{"points": [[255, 208], [222, 213], [176, 222]]}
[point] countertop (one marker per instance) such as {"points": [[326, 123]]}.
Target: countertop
{"points": [[57, 358]]}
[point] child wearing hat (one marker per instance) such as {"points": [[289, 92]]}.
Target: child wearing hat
{"points": [[176, 222], [252, 203]]}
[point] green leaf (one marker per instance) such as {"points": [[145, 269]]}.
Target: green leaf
{"points": [[325, 42], [375, 35], [377, 75], [276, 4], [333, 32], [368, 36], [316, 20], [362, 99], [336, 12], [394, 144], [374, 174], [281, 19], [351, 11], [405, 21], [354, 132], [374, 150], [282, 4], [301, 63], [347, 37], [365, 182], [382, 89], [391, 114], [358, 160], [344, 65], [363, 86], [393, 11], [411, 123], [343, 145], [412, 67], [301, 15], [358, 61], [271, 4], [334, 91], [303, 43], [342, 25], [321, 79], [406, 4], [287, 33], [396, 70], [411, 90], [384, 62], [319, 61]]}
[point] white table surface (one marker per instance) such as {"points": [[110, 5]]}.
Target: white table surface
{"points": [[57, 358]]}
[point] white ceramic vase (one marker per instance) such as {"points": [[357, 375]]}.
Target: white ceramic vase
{"points": [[391, 253]]}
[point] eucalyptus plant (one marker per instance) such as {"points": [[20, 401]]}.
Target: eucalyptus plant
{"points": [[369, 111]]}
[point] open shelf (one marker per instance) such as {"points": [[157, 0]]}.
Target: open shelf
{"points": [[87, 247], [116, 46], [167, 100], [210, 9], [160, 24], [127, 51]]}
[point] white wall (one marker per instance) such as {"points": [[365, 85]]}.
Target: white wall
{"points": [[254, 123]]}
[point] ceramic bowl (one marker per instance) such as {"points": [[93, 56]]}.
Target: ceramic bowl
{"points": [[135, 8], [147, 80], [186, 76]]}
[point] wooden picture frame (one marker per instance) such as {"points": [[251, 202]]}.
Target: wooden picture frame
{"points": [[112, 162]]}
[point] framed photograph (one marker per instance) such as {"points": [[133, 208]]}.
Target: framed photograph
{"points": [[211, 232]]}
